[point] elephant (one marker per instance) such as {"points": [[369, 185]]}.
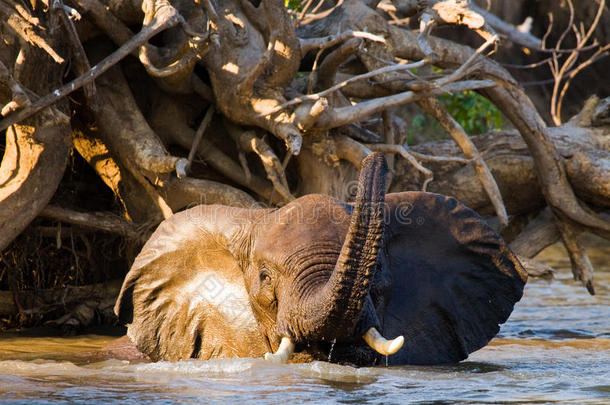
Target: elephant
{"points": [[405, 278]]}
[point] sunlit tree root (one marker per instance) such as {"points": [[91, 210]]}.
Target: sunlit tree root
{"points": [[36, 151], [33, 165], [268, 58], [169, 119]]}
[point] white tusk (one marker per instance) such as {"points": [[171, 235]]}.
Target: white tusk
{"points": [[381, 345], [283, 352]]}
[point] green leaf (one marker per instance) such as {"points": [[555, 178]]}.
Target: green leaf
{"points": [[475, 113], [293, 4]]}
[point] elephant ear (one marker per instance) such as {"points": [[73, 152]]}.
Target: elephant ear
{"points": [[184, 296], [454, 280]]}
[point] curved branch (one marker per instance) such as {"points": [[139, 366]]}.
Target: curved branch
{"points": [[139, 205], [513, 102], [127, 134], [346, 115], [351, 150], [309, 44], [189, 192], [249, 142], [169, 121], [581, 265]]}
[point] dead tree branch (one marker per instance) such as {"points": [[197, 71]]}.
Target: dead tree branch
{"points": [[100, 221], [160, 23], [438, 111]]}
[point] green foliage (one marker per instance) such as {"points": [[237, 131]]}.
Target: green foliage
{"points": [[475, 113], [419, 125], [293, 4]]}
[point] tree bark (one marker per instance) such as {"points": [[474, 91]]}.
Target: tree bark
{"points": [[36, 151], [512, 167]]}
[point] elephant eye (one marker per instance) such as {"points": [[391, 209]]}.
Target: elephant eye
{"points": [[265, 278]]}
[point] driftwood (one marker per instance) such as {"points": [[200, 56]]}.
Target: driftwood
{"points": [[207, 103]]}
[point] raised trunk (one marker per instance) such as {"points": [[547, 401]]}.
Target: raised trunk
{"points": [[334, 310]]}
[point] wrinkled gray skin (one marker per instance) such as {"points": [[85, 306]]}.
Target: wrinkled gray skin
{"points": [[216, 281]]}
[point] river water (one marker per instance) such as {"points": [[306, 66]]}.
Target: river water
{"points": [[554, 349]]}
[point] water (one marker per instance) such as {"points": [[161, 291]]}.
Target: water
{"points": [[555, 348]]}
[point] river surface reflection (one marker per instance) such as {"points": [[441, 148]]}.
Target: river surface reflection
{"points": [[555, 348]]}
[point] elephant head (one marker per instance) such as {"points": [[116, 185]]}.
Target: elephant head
{"points": [[216, 281]]}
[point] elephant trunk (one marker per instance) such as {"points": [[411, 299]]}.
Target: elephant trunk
{"points": [[334, 309]]}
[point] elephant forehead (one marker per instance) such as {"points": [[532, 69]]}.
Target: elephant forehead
{"points": [[296, 226]]}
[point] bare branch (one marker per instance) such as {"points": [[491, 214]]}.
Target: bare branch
{"points": [[351, 150], [187, 192], [439, 159], [328, 69], [114, 28], [316, 96], [347, 115], [537, 269], [360, 134], [309, 18], [249, 142], [247, 85], [19, 97], [559, 73], [309, 44], [512, 33], [539, 233], [25, 29], [80, 57], [438, 111], [426, 25], [158, 24], [199, 134], [402, 151], [100, 221]]}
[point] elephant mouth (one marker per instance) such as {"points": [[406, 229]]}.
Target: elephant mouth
{"points": [[365, 349], [354, 352]]}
